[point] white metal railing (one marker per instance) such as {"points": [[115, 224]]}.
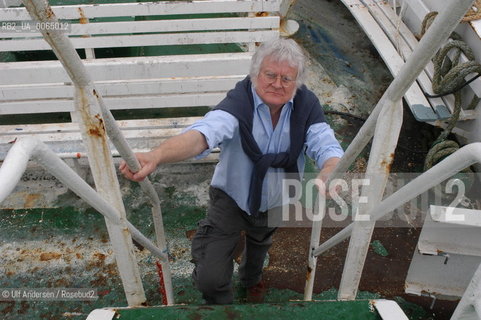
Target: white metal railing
{"points": [[89, 106], [127, 154], [464, 157], [26, 149], [16, 162], [384, 124]]}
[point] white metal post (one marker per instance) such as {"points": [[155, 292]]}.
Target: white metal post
{"points": [[315, 237], [437, 34], [126, 153], [105, 178], [377, 173], [99, 155]]}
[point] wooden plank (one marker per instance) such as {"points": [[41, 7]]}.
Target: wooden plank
{"points": [[148, 9], [154, 26], [407, 37], [121, 88], [129, 102], [476, 25], [414, 95], [207, 65], [10, 3], [141, 40], [142, 136], [124, 125], [387, 19], [69, 137], [72, 147], [418, 8], [390, 24], [132, 83]]}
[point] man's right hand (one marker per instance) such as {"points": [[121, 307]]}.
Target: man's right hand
{"points": [[148, 163], [177, 148]]}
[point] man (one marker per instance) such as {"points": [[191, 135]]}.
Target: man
{"points": [[263, 127]]}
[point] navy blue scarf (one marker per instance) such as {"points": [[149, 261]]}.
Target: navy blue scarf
{"points": [[240, 103]]}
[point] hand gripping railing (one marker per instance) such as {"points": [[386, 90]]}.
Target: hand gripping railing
{"points": [[88, 98], [384, 124]]}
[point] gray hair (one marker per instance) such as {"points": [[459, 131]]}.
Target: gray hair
{"points": [[280, 50]]}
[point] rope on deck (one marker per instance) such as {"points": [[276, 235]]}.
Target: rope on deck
{"points": [[474, 13], [449, 78]]}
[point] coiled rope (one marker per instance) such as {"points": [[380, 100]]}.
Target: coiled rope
{"points": [[449, 78], [474, 13]]}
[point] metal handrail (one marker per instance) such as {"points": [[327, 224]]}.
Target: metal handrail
{"points": [[384, 124], [118, 140], [67, 55], [15, 164], [454, 163]]}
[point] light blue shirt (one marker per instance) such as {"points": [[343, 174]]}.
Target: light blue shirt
{"points": [[233, 172]]}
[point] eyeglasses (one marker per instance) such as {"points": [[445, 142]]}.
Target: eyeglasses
{"points": [[271, 77]]}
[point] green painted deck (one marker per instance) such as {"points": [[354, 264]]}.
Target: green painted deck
{"points": [[69, 248], [325, 310]]}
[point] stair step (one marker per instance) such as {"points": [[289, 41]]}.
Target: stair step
{"points": [[355, 310], [457, 216], [434, 275], [451, 230]]}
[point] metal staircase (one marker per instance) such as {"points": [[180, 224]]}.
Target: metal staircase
{"points": [[448, 253]]}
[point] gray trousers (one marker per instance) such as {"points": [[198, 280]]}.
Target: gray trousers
{"points": [[214, 243]]}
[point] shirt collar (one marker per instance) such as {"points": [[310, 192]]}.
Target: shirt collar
{"points": [[258, 101]]}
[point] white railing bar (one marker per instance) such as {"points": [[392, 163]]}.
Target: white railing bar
{"points": [[464, 157], [377, 172], [99, 156], [15, 164], [76, 70], [314, 243], [119, 141], [80, 77]]}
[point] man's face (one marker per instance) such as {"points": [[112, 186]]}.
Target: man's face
{"points": [[276, 82]]}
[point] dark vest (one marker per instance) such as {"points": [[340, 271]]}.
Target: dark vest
{"points": [[240, 103]]}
